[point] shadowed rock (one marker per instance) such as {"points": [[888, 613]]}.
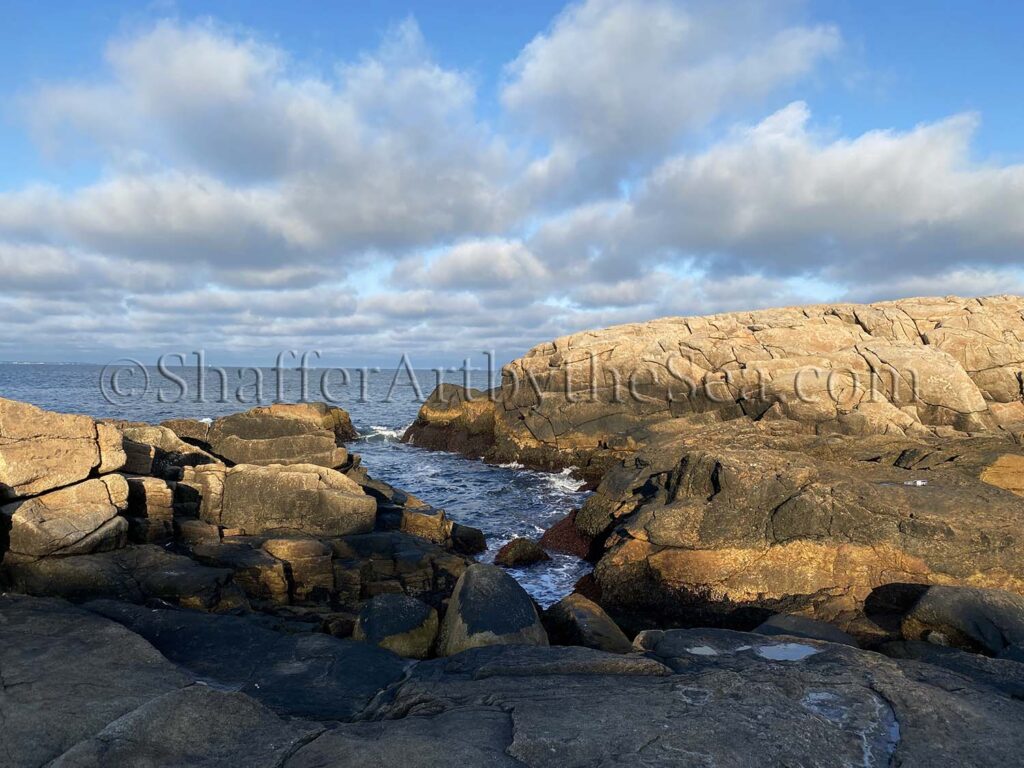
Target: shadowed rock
{"points": [[399, 623], [801, 626], [519, 553], [488, 607], [977, 620], [302, 675], [575, 620], [65, 674], [134, 574], [195, 726]]}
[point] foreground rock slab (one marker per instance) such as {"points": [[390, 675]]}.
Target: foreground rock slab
{"points": [[65, 674], [195, 726], [733, 699], [308, 675]]}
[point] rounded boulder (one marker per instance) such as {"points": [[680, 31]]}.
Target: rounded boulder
{"points": [[488, 607]]}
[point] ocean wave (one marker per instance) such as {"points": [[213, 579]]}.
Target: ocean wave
{"points": [[511, 465], [379, 433], [564, 482]]}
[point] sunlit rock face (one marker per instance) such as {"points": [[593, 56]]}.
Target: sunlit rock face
{"points": [[914, 367]]}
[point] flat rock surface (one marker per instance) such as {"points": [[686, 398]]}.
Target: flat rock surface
{"points": [[308, 675], [735, 699], [65, 674]]}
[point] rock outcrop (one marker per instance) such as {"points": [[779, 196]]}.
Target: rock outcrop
{"points": [[41, 451], [116, 684], [257, 499], [739, 520], [786, 460], [283, 433], [912, 367], [136, 513]]}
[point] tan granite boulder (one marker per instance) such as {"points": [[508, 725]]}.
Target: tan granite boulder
{"points": [[76, 520], [300, 497], [40, 450]]}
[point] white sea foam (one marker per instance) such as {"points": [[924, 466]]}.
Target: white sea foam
{"points": [[564, 482], [385, 434]]}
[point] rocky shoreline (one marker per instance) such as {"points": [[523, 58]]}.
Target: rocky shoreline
{"points": [[782, 577]]}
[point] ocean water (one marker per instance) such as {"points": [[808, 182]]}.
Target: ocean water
{"points": [[503, 501]]}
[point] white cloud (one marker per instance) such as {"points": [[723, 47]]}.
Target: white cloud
{"points": [[245, 200], [220, 152], [622, 80], [487, 265], [779, 198]]}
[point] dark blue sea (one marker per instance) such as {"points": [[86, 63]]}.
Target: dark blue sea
{"points": [[503, 501]]}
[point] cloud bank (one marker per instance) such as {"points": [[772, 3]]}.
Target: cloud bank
{"points": [[647, 158]]}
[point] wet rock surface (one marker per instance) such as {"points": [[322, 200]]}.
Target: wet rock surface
{"points": [[520, 552]]}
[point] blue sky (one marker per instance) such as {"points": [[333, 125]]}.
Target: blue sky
{"points": [[439, 178]]}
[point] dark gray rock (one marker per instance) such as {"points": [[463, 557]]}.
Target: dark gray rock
{"points": [[134, 574], [467, 540], [979, 620], [197, 727], [399, 623], [575, 620], [520, 552], [472, 737], [65, 674], [737, 699], [308, 675], [1004, 675], [801, 626], [488, 607]]}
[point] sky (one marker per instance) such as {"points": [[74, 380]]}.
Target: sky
{"points": [[438, 179]]}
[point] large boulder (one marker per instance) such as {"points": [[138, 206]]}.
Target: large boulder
{"points": [[399, 623], [743, 520], [910, 367], [303, 433], [977, 620], [575, 620], [257, 499], [488, 607], [76, 520], [41, 451]]}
